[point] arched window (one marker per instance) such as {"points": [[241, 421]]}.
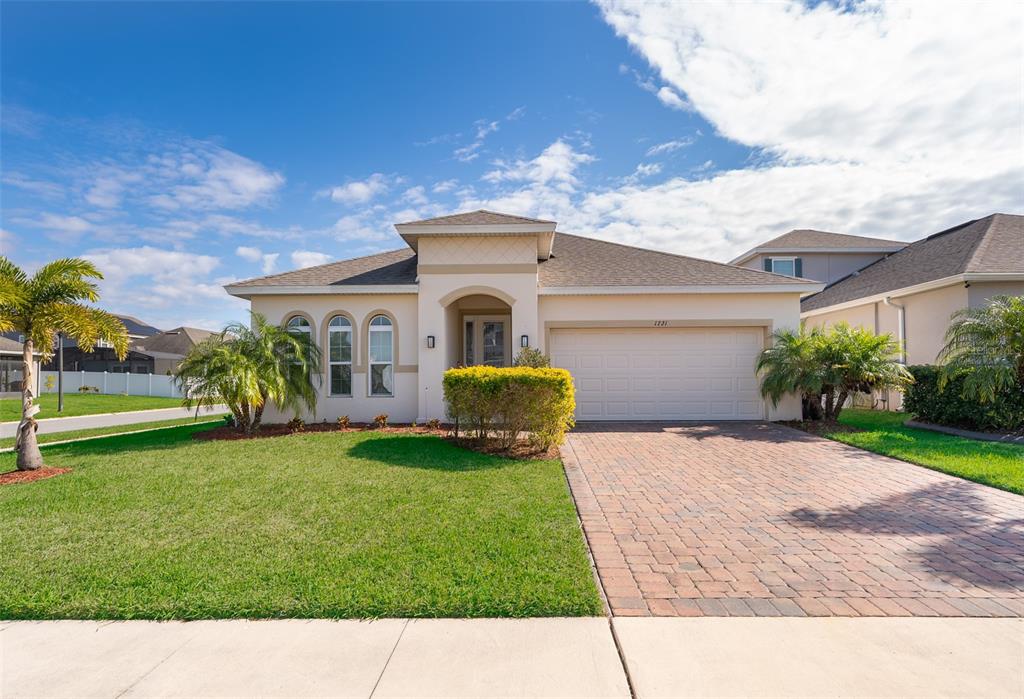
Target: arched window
{"points": [[382, 353], [298, 324], [339, 355]]}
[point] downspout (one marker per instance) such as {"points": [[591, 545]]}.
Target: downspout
{"points": [[902, 313]]}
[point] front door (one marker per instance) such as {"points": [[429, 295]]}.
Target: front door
{"points": [[486, 340]]}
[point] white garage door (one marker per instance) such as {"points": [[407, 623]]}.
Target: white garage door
{"points": [[662, 373]]}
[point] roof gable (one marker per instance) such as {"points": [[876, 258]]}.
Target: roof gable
{"points": [[393, 267], [480, 217], [991, 245]]}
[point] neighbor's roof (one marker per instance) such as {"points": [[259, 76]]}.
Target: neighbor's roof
{"points": [[174, 341], [806, 239], [990, 245], [480, 217], [575, 262], [8, 345], [136, 326]]}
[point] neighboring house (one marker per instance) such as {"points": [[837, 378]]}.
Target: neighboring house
{"points": [[168, 348], [12, 368], [102, 358], [913, 292], [819, 255], [647, 335]]}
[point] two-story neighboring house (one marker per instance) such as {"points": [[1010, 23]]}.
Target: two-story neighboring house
{"points": [[818, 255]]}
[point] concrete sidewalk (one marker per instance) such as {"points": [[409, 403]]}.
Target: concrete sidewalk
{"points": [[666, 657], [88, 422]]}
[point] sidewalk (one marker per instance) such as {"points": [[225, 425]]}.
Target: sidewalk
{"points": [[86, 422], [698, 657]]}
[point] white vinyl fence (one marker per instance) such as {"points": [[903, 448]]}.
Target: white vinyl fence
{"points": [[110, 383]]}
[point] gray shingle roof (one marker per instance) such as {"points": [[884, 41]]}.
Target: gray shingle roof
{"points": [[994, 244], [480, 217], [575, 261], [807, 239], [175, 341], [9, 345]]}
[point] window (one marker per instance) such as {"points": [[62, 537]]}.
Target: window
{"points": [[382, 367], [298, 324], [784, 265], [339, 355]]}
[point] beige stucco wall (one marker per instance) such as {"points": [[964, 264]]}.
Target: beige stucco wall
{"points": [[360, 406], [477, 250], [769, 311], [980, 292], [819, 266]]}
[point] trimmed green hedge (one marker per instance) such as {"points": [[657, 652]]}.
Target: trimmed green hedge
{"points": [[508, 401], [948, 407]]}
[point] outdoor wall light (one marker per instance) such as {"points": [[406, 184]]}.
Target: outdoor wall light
{"points": [[524, 341], [430, 341]]}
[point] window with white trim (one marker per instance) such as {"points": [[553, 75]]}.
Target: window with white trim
{"points": [[784, 265], [381, 353], [298, 324], [339, 355]]}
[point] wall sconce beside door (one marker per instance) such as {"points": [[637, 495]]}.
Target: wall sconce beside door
{"points": [[430, 342], [524, 341]]}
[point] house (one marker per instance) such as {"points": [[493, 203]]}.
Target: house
{"points": [[102, 357], [819, 255], [912, 293], [647, 335], [166, 349], [12, 368]]}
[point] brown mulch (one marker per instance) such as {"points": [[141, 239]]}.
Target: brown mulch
{"points": [[521, 450], [12, 477], [819, 428]]}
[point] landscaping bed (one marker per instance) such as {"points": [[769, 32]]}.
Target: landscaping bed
{"points": [[355, 524], [15, 477]]}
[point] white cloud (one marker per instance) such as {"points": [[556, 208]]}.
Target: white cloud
{"points": [[444, 186], [40, 188], [670, 98], [484, 128], [359, 191], [644, 170], [268, 260], [60, 226], [416, 195], [309, 258], [669, 146], [557, 163], [6, 242], [155, 278]]}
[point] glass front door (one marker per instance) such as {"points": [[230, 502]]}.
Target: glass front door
{"points": [[486, 341]]}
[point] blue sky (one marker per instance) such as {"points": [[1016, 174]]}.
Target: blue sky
{"points": [[182, 146]]}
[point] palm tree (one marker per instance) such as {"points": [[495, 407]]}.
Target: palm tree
{"points": [[248, 367], [987, 344], [826, 366], [39, 307]]}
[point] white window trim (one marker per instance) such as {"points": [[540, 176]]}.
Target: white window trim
{"points": [[350, 329], [389, 328], [783, 259]]}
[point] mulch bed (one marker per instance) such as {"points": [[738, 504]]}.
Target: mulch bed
{"points": [[12, 477], [819, 428], [522, 450]]}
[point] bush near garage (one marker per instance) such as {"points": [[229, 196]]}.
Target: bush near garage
{"points": [[508, 401], [924, 400]]}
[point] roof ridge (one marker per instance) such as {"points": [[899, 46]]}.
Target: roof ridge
{"points": [[982, 244], [673, 254], [326, 264]]}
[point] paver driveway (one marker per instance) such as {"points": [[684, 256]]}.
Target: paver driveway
{"points": [[760, 519]]}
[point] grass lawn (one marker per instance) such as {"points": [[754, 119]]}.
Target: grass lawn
{"points": [[359, 524], [997, 465], [48, 437], [84, 404]]}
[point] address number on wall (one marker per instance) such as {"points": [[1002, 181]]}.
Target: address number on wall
{"points": [[661, 323]]}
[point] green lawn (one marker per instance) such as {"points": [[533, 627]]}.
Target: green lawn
{"points": [[360, 524], [48, 437], [991, 463], [84, 404]]}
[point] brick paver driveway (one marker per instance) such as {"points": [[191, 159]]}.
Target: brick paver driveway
{"points": [[759, 519]]}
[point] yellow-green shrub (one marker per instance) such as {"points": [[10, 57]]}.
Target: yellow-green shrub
{"points": [[508, 401]]}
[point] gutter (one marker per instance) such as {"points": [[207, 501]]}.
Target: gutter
{"points": [[901, 310]]}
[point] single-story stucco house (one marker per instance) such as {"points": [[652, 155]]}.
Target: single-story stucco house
{"points": [[647, 335]]}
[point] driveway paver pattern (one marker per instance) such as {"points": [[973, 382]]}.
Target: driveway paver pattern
{"points": [[757, 519]]}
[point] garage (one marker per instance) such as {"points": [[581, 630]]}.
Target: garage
{"points": [[704, 373]]}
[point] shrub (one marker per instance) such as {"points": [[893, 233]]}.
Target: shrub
{"points": [[381, 421], [433, 424], [512, 400], [296, 425], [88, 389], [343, 422], [948, 406], [533, 357]]}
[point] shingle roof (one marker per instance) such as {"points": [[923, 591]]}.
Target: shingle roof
{"points": [[175, 341], [9, 345], [137, 327], [807, 239], [480, 217], [393, 267], [994, 244], [579, 261]]}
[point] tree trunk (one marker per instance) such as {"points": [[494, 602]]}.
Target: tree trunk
{"points": [[811, 406], [830, 401], [29, 456], [257, 417], [840, 402]]}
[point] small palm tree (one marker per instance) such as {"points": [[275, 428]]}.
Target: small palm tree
{"points": [[987, 344], [791, 366], [248, 367], [39, 307]]}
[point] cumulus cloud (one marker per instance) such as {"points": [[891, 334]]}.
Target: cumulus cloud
{"points": [[360, 191], [153, 277], [268, 260], [642, 171], [309, 258], [444, 186], [416, 195], [556, 164]]}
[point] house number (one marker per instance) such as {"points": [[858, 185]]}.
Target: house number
{"points": [[661, 323]]}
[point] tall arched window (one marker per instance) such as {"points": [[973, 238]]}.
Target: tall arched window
{"points": [[339, 355], [382, 353], [298, 324]]}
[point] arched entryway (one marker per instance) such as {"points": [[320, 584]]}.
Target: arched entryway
{"points": [[479, 330]]}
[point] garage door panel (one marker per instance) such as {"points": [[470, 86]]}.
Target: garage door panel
{"points": [[663, 374]]}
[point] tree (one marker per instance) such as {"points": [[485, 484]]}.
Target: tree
{"points": [[248, 367], [987, 346], [825, 366], [39, 307]]}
